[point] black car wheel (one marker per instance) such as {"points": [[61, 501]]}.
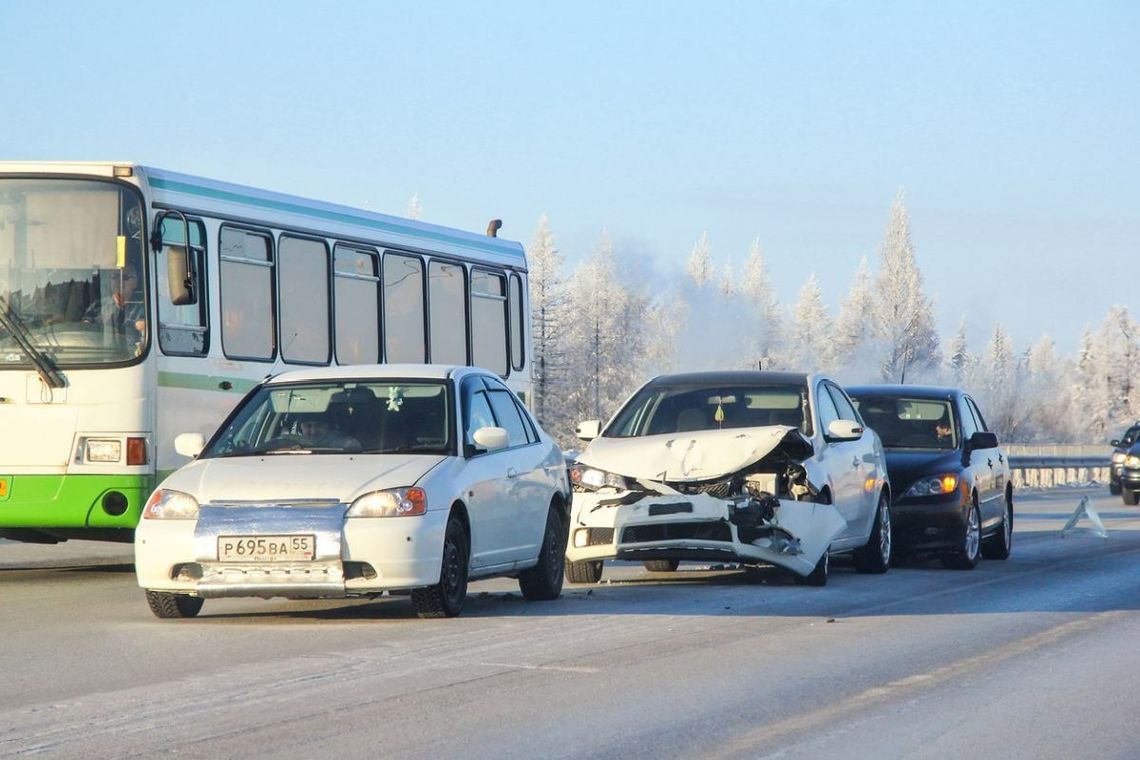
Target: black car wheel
{"points": [[544, 581], [589, 571], [966, 557], [875, 556], [445, 598], [818, 576], [165, 605], [998, 545], [1131, 498]]}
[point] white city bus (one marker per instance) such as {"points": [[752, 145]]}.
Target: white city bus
{"points": [[136, 304]]}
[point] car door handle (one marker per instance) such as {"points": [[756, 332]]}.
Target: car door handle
{"points": [[990, 462], [1001, 458], [854, 461], [512, 472]]}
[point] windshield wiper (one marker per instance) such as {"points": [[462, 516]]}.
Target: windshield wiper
{"points": [[47, 371]]}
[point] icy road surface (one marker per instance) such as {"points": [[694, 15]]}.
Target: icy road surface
{"points": [[1035, 657]]}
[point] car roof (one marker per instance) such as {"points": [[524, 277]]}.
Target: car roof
{"points": [[894, 390], [375, 372], [730, 377]]}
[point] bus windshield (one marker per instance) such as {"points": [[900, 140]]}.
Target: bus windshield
{"points": [[72, 281]]}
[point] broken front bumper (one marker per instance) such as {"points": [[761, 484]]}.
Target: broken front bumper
{"points": [[622, 525]]}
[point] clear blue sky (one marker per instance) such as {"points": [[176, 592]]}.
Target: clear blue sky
{"points": [[1014, 127]]}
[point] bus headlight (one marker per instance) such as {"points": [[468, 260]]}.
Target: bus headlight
{"points": [[164, 504], [397, 502], [103, 450]]}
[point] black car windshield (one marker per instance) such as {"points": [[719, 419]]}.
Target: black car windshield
{"points": [[339, 417], [664, 409], [910, 423]]}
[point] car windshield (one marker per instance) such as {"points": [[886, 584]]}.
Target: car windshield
{"points": [[339, 417], [663, 409], [910, 423]]}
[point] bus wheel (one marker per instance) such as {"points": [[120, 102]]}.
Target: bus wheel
{"points": [[165, 605]]}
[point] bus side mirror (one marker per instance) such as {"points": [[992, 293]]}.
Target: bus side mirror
{"points": [[179, 277]]}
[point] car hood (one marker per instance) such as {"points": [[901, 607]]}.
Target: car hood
{"points": [[906, 466], [284, 477], [691, 456]]}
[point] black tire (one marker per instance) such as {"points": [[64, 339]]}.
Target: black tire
{"points": [[1131, 498], [1114, 489], [445, 598], [589, 571], [544, 581], [818, 576], [662, 565], [999, 545], [165, 605], [968, 554], [875, 555]]}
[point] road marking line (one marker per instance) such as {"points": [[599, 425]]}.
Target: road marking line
{"points": [[524, 666]]}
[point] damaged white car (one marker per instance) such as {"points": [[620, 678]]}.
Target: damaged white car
{"points": [[764, 468]]}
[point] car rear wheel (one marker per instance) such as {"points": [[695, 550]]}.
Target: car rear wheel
{"points": [[966, 557], [544, 580], [446, 597], [589, 571], [662, 565], [875, 556], [818, 576], [165, 605], [1131, 498], [999, 545]]}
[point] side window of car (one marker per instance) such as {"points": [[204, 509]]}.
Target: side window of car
{"points": [[476, 409], [843, 405], [529, 425], [977, 414], [827, 411], [507, 413], [969, 424]]}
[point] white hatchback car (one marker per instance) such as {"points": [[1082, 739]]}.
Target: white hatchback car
{"points": [[752, 467], [350, 481]]}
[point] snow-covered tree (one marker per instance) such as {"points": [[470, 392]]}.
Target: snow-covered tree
{"points": [[809, 347], [959, 361], [1000, 388], [855, 328], [763, 316], [1049, 403], [903, 313], [414, 211], [700, 266], [550, 322]]}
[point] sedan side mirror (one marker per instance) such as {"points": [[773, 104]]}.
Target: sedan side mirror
{"points": [[844, 430], [1114, 442], [189, 444], [491, 438], [983, 440], [589, 430]]}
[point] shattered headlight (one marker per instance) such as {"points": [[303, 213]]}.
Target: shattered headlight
{"points": [[593, 479], [933, 486]]}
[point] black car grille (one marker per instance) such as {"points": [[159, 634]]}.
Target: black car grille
{"points": [[702, 531], [599, 536], [719, 489]]}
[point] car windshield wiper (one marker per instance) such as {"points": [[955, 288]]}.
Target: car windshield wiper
{"points": [[47, 371]]}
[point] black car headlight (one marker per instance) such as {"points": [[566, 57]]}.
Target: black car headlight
{"points": [[592, 479], [935, 485]]}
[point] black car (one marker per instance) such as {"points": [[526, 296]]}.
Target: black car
{"points": [[1119, 451], [1128, 479], [952, 494]]}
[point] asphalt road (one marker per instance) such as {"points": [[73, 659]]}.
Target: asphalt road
{"points": [[1034, 657]]}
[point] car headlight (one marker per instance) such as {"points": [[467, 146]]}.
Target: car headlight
{"points": [[394, 502], [1117, 457], [165, 504], [1132, 460], [935, 485], [593, 479]]}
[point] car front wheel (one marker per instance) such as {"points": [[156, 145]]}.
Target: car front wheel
{"points": [[966, 557], [589, 571], [446, 597], [544, 580], [818, 576], [165, 605]]}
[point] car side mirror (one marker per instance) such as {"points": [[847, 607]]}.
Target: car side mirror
{"points": [[844, 430], [589, 430], [189, 444], [983, 440], [491, 438], [1114, 442]]}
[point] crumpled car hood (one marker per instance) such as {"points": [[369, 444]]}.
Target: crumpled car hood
{"points": [[686, 457]]}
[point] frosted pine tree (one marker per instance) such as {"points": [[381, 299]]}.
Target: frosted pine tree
{"points": [[764, 317], [550, 321], [1049, 405], [1119, 339], [1000, 387], [811, 331], [1091, 387], [414, 211], [700, 266], [855, 328], [959, 361], [903, 313]]}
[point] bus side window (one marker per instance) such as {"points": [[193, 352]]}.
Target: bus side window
{"points": [[183, 329], [246, 274], [404, 334]]}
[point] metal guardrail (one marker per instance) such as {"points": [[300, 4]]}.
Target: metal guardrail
{"points": [[1037, 462], [1047, 470]]}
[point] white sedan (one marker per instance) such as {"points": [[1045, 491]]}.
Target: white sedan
{"points": [[753, 467], [351, 481]]}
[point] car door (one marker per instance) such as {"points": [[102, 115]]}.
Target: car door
{"points": [[486, 475], [868, 458], [994, 468], [841, 460]]}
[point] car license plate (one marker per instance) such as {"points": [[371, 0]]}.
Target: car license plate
{"points": [[266, 548]]}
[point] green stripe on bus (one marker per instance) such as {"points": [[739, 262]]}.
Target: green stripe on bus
{"points": [[204, 382], [72, 501], [330, 216]]}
